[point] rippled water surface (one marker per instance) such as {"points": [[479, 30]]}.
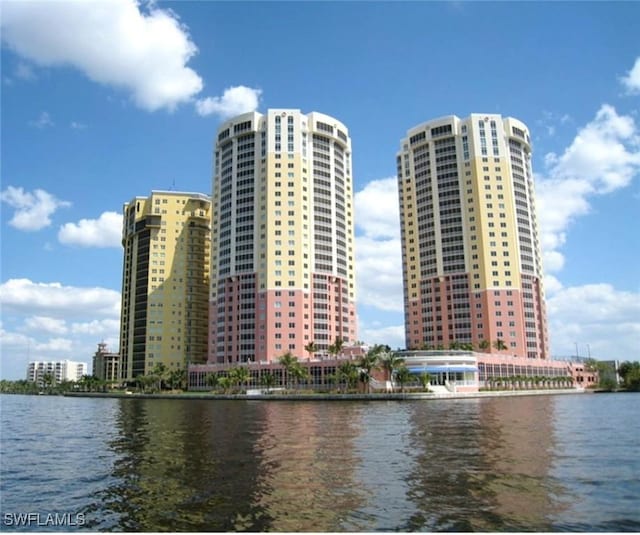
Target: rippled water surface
{"points": [[539, 463]]}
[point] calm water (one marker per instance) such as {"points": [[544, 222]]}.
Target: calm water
{"points": [[548, 463]]}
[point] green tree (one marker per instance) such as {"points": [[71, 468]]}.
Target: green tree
{"points": [[212, 380], [499, 345], [367, 364], [239, 376], [177, 378], [630, 375], [347, 374], [403, 376], [311, 348], [161, 373], [336, 348], [484, 345], [268, 380], [47, 380], [425, 380], [390, 362], [288, 362]]}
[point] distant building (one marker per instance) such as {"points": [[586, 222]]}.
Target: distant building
{"points": [[61, 370], [165, 282], [106, 365]]}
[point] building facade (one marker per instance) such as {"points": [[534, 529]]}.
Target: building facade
{"points": [[106, 365], [472, 270], [60, 370], [165, 283], [282, 262]]}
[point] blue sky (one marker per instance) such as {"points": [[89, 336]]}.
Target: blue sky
{"points": [[102, 102]]}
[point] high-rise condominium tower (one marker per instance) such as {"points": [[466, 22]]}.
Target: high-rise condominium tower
{"points": [[165, 282], [470, 252], [282, 237]]}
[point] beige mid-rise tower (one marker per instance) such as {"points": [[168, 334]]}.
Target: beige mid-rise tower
{"points": [[472, 267], [282, 237], [165, 282]]}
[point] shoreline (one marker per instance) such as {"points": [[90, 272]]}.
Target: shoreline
{"points": [[386, 396]]}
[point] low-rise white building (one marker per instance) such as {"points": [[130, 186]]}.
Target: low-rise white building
{"points": [[61, 370]]}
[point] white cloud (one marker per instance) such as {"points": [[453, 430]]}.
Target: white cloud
{"points": [[631, 81], [106, 231], [376, 333], [97, 328], [55, 300], [603, 157], [234, 101], [54, 345], [112, 43], [43, 121], [33, 211], [75, 125], [606, 319], [46, 324], [378, 251]]}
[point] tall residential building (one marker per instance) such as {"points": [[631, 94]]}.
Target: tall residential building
{"points": [[165, 281], [282, 268], [60, 370], [472, 268]]}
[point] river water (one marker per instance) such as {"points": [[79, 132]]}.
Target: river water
{"points": [[536, 463]]}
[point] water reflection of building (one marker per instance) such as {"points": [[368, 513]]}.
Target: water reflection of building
{"points": [[198, 466], [182, 466], [307, 465], [481, 465]]}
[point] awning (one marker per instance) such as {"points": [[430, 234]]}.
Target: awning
{"points": [[441, 369]]}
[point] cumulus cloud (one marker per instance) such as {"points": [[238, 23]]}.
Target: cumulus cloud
{"points": [[46, 324], [234, 101], [57, 301], [106, 231], [112, 43], [33, 211], [606, 319], [97, 328], [376, 333], [378, 251], [631, 81], [603, 157]]}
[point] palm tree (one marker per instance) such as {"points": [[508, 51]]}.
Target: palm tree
{"points": [[213, 380], [367, 364], [48, 380], [499, 345], [484, 344], [336, 348], [161, 372], [299, 373], [311, 348], [347, 373], [425, 380], [268, 380], [288, 362], [403, 376], [239, 376], [390, 362]]}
